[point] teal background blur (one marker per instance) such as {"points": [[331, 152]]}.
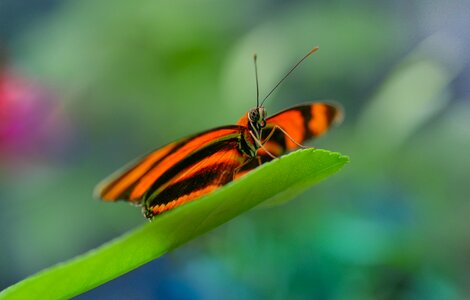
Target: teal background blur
{"points": [[86, 86]]}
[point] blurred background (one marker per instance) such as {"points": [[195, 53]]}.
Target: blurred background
{"points": [[86, 86]]}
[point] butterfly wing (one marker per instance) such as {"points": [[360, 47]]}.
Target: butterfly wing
{"points": [[157, 169], [205, 170], [299, 124]]}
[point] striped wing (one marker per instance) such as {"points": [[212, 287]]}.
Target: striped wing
{"points": [[202, 172], [164, 175], [301, 123]]}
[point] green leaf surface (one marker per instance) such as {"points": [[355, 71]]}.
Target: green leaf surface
{"points": [[279, 180]]}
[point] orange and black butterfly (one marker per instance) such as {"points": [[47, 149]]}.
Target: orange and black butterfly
{"points": [[194, 166]]}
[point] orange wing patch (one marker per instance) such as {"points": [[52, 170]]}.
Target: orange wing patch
{"points": [[318, 122], [292, 121], [159, 208]]}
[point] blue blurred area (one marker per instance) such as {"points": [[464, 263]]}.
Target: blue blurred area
{"points": [[86, 86]]}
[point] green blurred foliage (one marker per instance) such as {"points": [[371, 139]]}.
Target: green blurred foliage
{"points": [[133, 76]]}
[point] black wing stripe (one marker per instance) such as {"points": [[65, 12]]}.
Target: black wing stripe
{"points": [[333, 113], [307, 116], [277, 137], [226, 144], [126, 192], [216, 174]]}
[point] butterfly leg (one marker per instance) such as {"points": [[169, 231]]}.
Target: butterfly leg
{"points": [[269, 135], [244, 168], [246, 162], [262, 146], [290, 138]]}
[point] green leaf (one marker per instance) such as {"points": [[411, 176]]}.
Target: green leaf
{"points": [[281, 179]]}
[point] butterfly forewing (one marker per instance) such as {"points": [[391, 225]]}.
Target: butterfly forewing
{"points": [[134, 180], [301, 123]]}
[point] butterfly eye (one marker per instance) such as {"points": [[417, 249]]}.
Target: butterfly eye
{"points": [[253, 116]]}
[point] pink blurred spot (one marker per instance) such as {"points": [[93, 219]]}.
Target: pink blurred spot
{"points": [[29, 117]]}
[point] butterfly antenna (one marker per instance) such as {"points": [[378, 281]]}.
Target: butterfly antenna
{"points": [[288, 73], [256, 76]]}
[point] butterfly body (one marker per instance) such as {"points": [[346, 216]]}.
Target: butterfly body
{"points": [[192, 167]]}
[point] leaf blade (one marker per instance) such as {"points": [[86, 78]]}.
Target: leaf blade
{"points": [[178, 226]]}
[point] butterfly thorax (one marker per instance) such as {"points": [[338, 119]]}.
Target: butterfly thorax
{"points": [[254, 121]]}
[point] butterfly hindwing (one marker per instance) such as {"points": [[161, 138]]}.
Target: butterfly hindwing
{"points": [[202, 172]]}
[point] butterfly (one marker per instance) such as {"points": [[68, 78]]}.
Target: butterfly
{"points": [[194, 166]]}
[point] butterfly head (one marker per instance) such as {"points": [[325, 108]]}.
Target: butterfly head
{"points": [[257, 118]]}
